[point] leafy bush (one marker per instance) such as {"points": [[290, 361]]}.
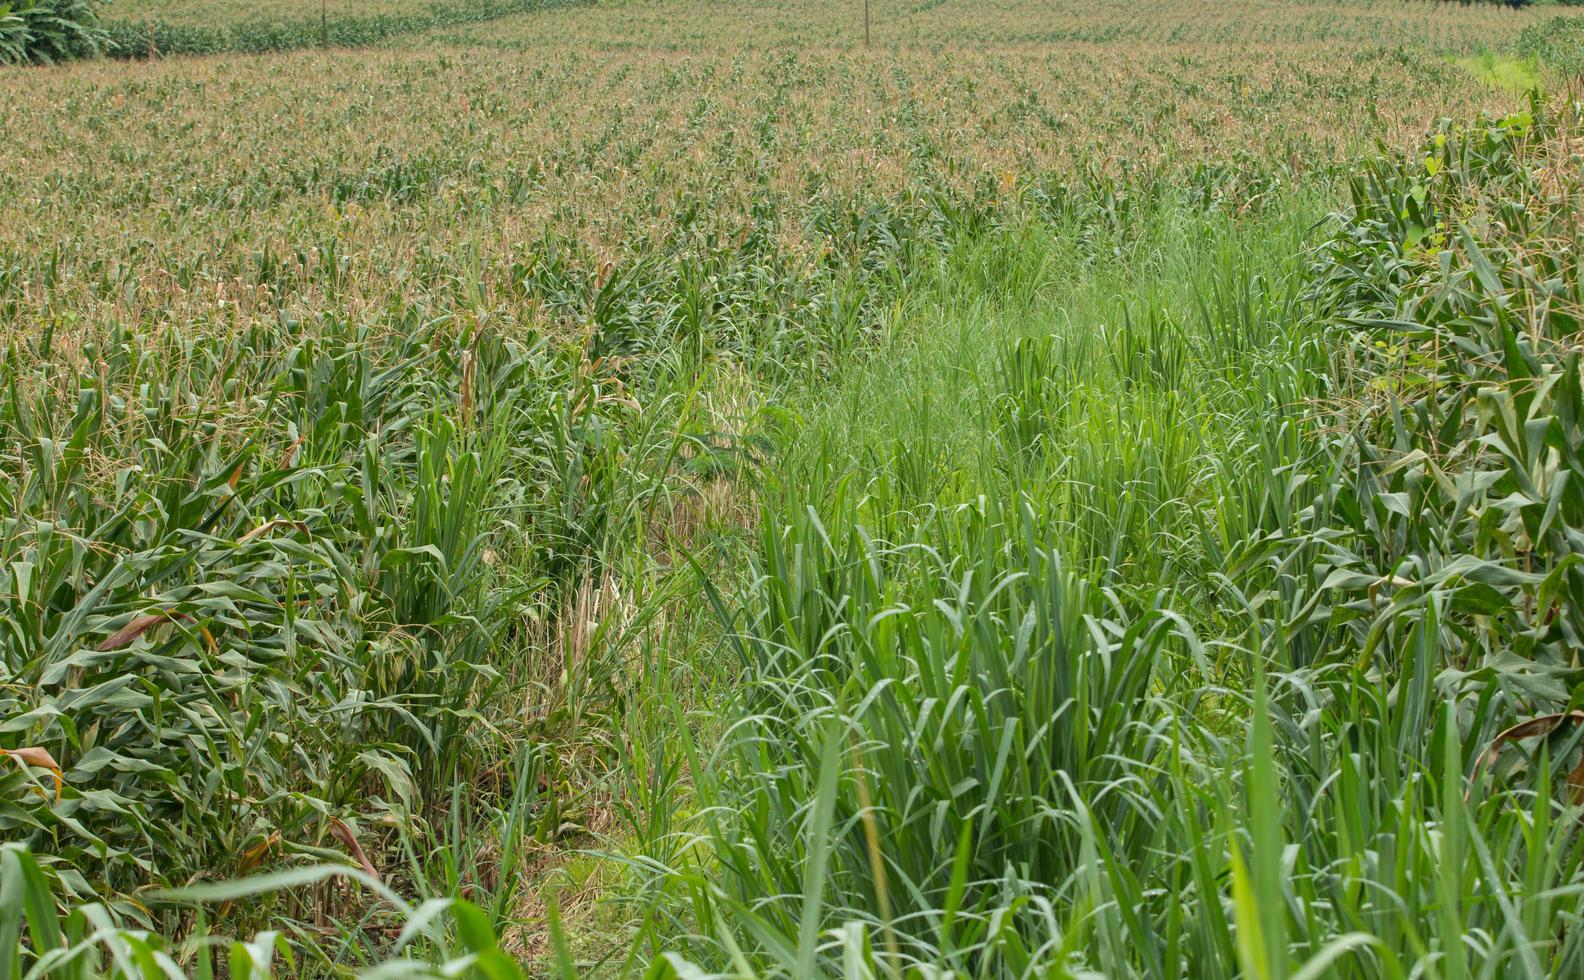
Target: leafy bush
{"points": [[49, 31]]}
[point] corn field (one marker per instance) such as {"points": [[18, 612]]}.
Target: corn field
{"points": [[664, 488]]}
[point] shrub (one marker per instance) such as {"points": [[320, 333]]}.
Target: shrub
{"points": [[47, 31]]}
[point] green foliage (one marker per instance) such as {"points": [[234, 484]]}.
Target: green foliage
{"points": [[1221, 685], [1149, 576], [143, 38], [1463, 461], [1557, 43], [269, 625], [39, 943], [50, 31]]}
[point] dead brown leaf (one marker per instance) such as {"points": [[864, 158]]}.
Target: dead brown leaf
{"points": [[344, 834], [1534, 727], [39, 757]]}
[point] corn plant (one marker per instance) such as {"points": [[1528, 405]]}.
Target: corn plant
{"points": [[959, 508], [37, 942], [49, 31]]}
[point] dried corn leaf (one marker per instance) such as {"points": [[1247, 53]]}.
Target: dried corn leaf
{"points": [[39, 757], [344, 834]]}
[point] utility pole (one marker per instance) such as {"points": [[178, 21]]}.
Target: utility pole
{"points": [[866, 23], [324, 23]]}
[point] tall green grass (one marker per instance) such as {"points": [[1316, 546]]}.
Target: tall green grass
{"points": [[1183, 615]]}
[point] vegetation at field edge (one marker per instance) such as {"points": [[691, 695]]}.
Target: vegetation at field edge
{"points": [[153, 32], [50, 31], [1100, 497]]}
